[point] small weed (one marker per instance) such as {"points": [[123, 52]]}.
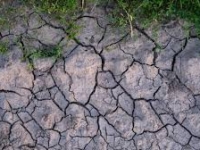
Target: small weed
{"points": [[3, 48], [56, 7], [62, 10], [47, 52], [157, 50], [72, 30], [30, 66]]}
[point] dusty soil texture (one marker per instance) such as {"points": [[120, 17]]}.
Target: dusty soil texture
{"points": [[108, 91]]}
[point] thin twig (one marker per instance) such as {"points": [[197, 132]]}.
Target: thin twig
{"points": [[82, 3], [130, 22]]}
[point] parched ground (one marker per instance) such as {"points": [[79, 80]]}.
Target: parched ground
{"points": [[108, 91]]}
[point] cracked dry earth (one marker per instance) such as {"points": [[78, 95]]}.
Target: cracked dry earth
{"points": [[108, 91]]}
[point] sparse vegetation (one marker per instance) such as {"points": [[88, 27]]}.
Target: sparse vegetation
{"points": [[48, 52], [146, 12], [3, 48], [64, 11], [122, 13]]}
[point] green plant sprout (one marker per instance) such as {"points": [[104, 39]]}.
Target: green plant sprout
{"points": [[3, 48]]}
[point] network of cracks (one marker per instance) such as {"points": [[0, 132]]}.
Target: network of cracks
{"points": [[108, 91]]}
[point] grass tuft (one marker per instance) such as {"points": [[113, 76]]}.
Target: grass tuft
{"points": [[146, 12], [3, 48], [47, 52], [122, 13]]}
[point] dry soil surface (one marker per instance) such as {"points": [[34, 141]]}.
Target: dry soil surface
{"points": [[108, 91]]}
